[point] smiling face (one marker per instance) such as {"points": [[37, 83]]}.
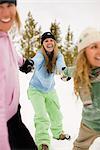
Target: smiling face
{"points": [[93, 54], [7, 16], [49, 44]]}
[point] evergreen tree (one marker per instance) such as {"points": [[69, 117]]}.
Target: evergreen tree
{"points": [[37, 39], [29, 37], [55, 30], [68, 47]]}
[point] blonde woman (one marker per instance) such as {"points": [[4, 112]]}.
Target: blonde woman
{"points": [[13, 133], [87, 85], [86, 75]]}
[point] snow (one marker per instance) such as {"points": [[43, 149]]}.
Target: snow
{"points": [[71, 108]]}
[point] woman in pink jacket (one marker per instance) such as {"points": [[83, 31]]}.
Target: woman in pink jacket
{"points": [[13, 133]]}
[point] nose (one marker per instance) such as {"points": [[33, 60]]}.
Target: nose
{"points": [[5, 12]]}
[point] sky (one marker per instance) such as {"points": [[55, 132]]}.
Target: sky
{"points": [[79, 14]]}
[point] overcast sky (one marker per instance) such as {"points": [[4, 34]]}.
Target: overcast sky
{"points": [[78, 13]]}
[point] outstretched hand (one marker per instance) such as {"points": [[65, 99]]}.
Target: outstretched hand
{"points": [[27, 66], [65, 78]]}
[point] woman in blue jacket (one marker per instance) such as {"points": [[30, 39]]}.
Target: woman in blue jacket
{"points": [[42, 94]]}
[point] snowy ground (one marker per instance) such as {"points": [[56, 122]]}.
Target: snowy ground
{"points": [[70, 107]]}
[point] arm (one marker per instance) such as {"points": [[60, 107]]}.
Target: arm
{"points": [[60, 63], [20, 59], [68, 71], [30, 64], [85, 97]]}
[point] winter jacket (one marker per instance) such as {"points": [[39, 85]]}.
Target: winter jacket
{"points": [[41, 79], [91, 114], [9, 86]]}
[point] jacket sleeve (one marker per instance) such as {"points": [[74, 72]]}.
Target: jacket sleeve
{"points": [[60, 63], [38, 59], [69, 71], [85, 97], [4, 144], [20, 59]]}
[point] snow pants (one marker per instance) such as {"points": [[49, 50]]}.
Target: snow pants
{"points": [[47, 115], [19, 136], [85, 138]]}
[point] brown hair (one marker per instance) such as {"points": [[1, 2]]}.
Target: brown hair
{"points": [[50, 64], [81, 75]]}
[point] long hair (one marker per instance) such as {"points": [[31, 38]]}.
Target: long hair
{"points": [[17, 20], [50, 62], [81, 75]]}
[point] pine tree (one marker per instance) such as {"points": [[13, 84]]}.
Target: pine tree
{"points": [[29, 37], [37, 39], [55, 30], [68, 48]]}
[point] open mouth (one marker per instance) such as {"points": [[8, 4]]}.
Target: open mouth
{"points": [[97, 58], [5, 20]]}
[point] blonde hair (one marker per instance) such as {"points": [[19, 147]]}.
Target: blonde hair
{"points": [[50, 65], [17, 20], [81, 75]]}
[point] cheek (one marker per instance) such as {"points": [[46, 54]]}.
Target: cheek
{"points": [[89, 55], [13, 13], [44, 45]]}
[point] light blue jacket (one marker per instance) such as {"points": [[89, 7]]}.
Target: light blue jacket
{"points": [[41, 79]]}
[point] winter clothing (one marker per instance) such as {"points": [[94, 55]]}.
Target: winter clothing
{"points": [[42, 80], [44, 99], [9, 85], [91, 115], [44, 102], [81, 143], [44, 147], [47, 35], [27, 66], [8, 1], [90, 123], [19, 136], [9, 90], [88, 36]]}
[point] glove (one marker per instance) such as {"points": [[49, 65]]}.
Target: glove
{"points": [[65, 78], [64, 75], [27, 66]]}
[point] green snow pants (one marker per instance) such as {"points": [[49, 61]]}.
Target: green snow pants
{"points": [[47, 115]]}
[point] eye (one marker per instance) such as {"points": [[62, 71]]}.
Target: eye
{"points": [[10, 4], [46, 41], [51, 40], [94, 47]]}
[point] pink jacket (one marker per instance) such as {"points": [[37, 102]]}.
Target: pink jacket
{"points": [[9, 86]]}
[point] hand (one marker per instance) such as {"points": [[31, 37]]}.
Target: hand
{"points": [[27, 66], [64, 78]]}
